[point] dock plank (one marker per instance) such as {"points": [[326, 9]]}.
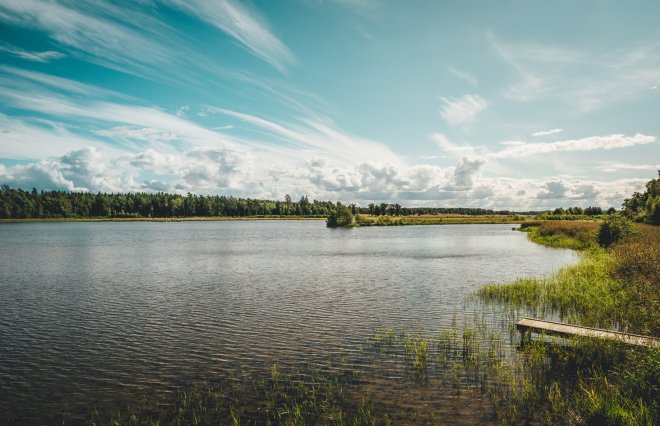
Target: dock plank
{"points": [[561, 329]]}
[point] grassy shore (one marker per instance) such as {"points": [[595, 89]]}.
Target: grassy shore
{"points": [[588, 381], [449, 219]]}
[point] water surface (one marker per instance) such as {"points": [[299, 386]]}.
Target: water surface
{"points": [[93, 314]]}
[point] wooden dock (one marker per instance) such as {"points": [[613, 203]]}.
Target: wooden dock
{"points": [[529, 325]]}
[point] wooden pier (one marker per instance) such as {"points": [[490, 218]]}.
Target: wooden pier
{"points": [[528, 325]]}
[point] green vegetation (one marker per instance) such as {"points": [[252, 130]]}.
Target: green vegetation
{"points": [[399, 377], [588, 381], [576, 235], [645, 207], [614, 229], [20, 204], [341, 216], [448, 219], [575, 213]]}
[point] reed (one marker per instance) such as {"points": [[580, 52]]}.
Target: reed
{"points": [[587, 381]]}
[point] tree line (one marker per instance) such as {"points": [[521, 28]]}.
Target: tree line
{"points": [[21, 204], [17, 203], [645, 206]]}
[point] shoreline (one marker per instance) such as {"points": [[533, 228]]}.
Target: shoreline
{"points": [[391, 220]]}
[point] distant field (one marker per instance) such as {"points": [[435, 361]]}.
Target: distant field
{"points": [[457, 218], [447, 219]]}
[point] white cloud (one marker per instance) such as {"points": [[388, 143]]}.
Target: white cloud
{"points": [[585, 81], [553, 191], [243, 24], [80, 170], [155, 162], [465, 172], [33, 139], [208, 170], [462, 110], [523, 149], [43, 57], [182, 111], [611, 167], [464, 75], [319, 137], [106, 42], [145, 134], [547, 132], [24, 81], [448, 146]]}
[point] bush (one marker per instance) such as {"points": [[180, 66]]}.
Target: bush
{"points": [[614, 229], [341, 216]]}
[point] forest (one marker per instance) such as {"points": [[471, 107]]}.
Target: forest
{"points": [[16, 203], [21, 204]]}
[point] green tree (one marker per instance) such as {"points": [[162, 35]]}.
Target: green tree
{"points": [[615, 228], [340, 216], [643, 207]]}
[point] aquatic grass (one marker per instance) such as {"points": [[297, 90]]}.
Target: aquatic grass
{"points": [[585, 291], [580, 380], [576, 235], [449, 219]]}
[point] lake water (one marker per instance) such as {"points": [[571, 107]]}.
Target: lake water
{"points": [[94, 314]]}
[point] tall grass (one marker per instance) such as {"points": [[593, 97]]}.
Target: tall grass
{"points": [[585, 292], [576, 235], [387, 220], [636, 262], [587, 381]]}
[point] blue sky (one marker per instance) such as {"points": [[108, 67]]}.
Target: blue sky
{"points": [[508, 104]]}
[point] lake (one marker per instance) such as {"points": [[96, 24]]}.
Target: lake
{"points": [[93, 315]]}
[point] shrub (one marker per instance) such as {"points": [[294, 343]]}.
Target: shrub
{"points": [[341, 216], [614, 229]]}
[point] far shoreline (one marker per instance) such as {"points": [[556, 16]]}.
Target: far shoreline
{"points": [[411, 220]]}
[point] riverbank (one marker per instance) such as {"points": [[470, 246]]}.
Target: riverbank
{"points": [[586, 381], [450, 219], [361, 220]]}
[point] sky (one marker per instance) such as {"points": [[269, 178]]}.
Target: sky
{"points": [[505, 105]]}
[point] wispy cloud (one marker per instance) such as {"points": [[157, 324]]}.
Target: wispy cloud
{"points": [[585, 80], [612, 167], [243, 24], [448, 146], [522, 149], [547, 132], [104, 41], [321, 137], [464, 75], [462, 110], [43, 57], [23, 138], [30, 80]]}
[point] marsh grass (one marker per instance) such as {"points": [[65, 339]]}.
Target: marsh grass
{"points": [[576, 235], [585, 292], [589, 381], [270, 397], [387, 220]]}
